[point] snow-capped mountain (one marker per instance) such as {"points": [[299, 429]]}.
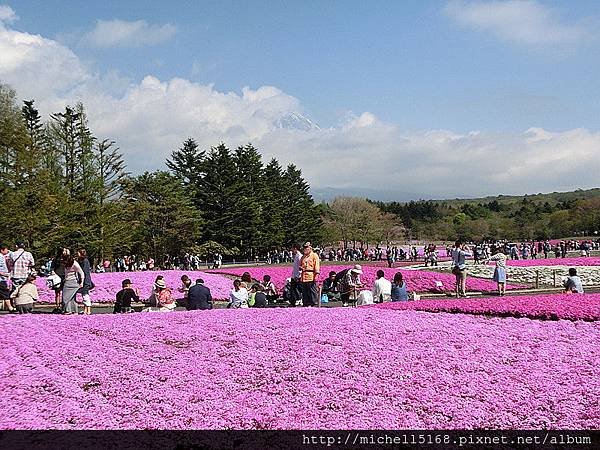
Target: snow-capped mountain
{"points": [[296, 121]]}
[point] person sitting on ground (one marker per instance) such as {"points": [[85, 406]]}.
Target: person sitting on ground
{"points": [[270, 290], [351, 284], [25, 295], [199, 297], [573, 283], [238, 298], [166, 301], [382, 288], [257, 298], [246, 280], [331, 287], [153, 299], [125, 296], [399, 291], [186, 284]]}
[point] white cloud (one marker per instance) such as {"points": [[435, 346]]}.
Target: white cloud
{"points": [[7, 14], [152, 117], [121, 33], [37, 66], [518, 21]]}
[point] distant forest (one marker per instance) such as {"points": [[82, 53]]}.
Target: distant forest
{"points": [[540, 216]]}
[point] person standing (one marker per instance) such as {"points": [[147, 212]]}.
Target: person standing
{"points": [[59, 271], [88, 285], [500, 271], [199, 297], [4, 274], [295, 293], [459, 267], [20, 263], [74, 277], [310, 268]]}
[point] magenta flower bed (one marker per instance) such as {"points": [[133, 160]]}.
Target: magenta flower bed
{"points": [[108, 284], [358, 368], [545, 307], [579, 261], [416, 280]]}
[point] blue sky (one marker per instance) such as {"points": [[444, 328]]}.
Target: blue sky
{"points": [[468, 68], [406, 61]]}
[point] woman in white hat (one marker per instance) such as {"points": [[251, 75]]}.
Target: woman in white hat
{"points": [[350, 284]]}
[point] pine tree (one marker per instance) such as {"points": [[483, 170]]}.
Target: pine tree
{"points": [[273, 209], [302, 219], [187, 162], [162, 218]]}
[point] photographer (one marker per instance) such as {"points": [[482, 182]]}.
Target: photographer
{"points": [[460, 253]]}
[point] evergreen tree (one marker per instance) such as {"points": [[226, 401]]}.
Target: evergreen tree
{"points": [[187, 163], [162, 217], [250, 187], [273, 209], [302, 220]]}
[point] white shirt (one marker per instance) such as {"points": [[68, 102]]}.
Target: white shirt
{"points": [[382, 287], [240, 297]]}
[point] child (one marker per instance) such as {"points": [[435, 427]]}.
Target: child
{"points": [[125, 296], [25, 295]]}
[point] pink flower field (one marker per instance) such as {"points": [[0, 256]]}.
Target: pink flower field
{"points": [[416, 280], [108, 284], [579, 261], [314, 368], [544, 307]]}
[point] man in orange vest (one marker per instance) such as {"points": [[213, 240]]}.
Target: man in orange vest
{"points": [[310, 267]]}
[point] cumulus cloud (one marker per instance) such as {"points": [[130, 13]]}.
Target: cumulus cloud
{"points": [[518, 21], [39, 67], [7, 14], [121, 33], [152, 117]]}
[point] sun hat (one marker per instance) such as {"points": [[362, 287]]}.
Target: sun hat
{"points": [[160, 284], [357, 269]]}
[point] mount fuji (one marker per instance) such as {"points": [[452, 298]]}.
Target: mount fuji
{"points": [[296, 121]]}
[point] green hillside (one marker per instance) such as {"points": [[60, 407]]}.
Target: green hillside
{"points": [[538, 216]]}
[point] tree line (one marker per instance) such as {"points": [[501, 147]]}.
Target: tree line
{"points": [[514, 219], [61, 185]]}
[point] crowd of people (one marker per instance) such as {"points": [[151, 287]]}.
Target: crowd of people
{"points": [[461, 252], [69, 276]]}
